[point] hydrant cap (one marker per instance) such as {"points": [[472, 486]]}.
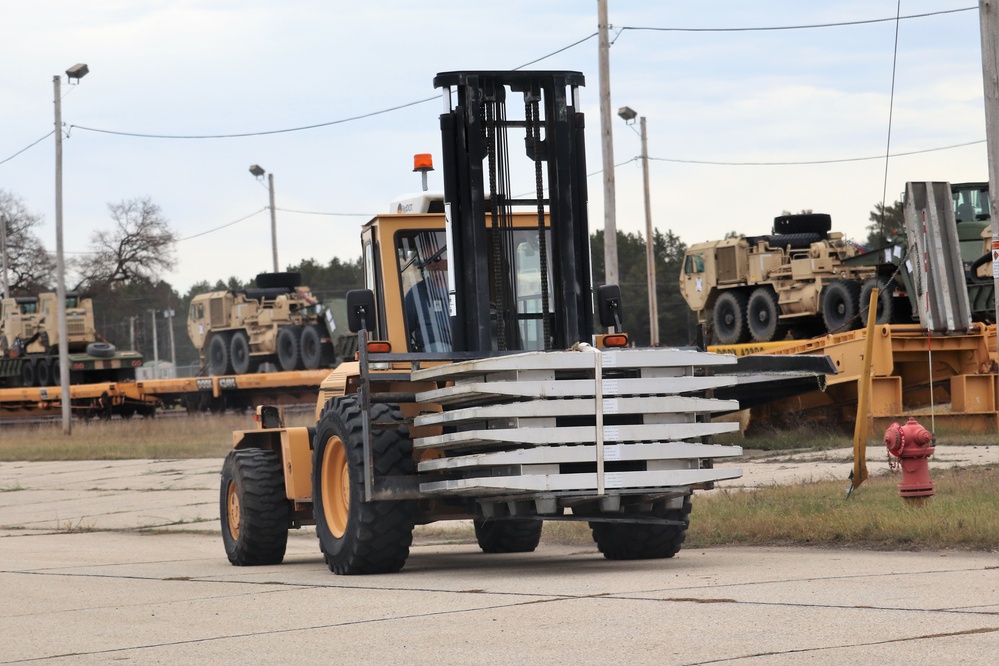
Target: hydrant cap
{"points": [[893, 438], [917, 434]]}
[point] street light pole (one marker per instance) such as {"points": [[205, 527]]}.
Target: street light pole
{"points": [[607, 146], [75, 72], [650, 259], [258, 171], [67, 428], [629, 115], [270, 186], [3, 253]]}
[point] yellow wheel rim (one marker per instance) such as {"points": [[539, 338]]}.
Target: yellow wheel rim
{"points": [[336, 487], [232, 509]]}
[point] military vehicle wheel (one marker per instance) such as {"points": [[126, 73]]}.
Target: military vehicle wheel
{"points": [[886, 301], [359, 537], [841, 305], [312, 347], [803, 223], [219, 362], [637, 541], [289, 347], [315, 352], [730, 318], [253, 508], [101, 349], [55, 374], [29, 375], [288, 279], [763, 315], [43, 372], [239, 352], [508, 536]]}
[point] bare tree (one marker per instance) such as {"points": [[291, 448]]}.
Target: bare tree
{"points": [[139, 247], [30, 267]]}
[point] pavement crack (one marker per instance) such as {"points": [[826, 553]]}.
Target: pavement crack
{"points": [[887, 641], [275, 632]]}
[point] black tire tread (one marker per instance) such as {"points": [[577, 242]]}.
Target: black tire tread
{"points": [[886, 301], [289, 347], [239, 353], [265, 512], [311, 347], [508, 535], [638, 541], [846, 292], [378, 533], [219, 359], [739, 330], [764, 297]]}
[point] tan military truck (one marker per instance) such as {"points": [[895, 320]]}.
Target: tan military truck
{"points": [[277, 322], [757, 287], [29, 343]]}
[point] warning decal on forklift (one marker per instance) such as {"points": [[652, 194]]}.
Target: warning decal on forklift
{"points": [[995, 258]]}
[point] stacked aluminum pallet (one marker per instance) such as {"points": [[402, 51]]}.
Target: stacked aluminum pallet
{"points": [[580, 422]]}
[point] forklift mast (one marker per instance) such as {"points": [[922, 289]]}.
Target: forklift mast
{"points": [[511, 288]]}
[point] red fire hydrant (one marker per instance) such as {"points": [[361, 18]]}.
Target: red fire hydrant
{"points": [[911, 444]]}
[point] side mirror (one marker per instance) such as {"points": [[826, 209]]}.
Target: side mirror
{"points": [[360, 310], [609, 305]]}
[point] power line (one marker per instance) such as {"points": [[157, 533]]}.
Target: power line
{"points": [[807, 162], [808, 26], [31, 145], [203, 233], [564, 48], [313, 212], [248, 134], [144, 135]]}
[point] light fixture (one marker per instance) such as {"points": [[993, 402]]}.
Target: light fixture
{"points": [[77, 71], [256, 170], [628, 113]]}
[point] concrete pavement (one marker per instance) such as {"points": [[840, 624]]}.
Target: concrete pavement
{"points": [[121, 561]]}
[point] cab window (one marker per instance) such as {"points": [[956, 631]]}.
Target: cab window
{"points": [[422, 260], [694, 264]]}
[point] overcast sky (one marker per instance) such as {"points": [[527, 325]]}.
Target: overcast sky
{"points": [[211, 67]]}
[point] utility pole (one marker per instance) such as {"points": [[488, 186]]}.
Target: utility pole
{"points": [[131, 333], [607, 146], [988, 17], [270, 186], [173, 350], [650, 259], [77, 72], [156, 346], [67, 427], [3, 252]]}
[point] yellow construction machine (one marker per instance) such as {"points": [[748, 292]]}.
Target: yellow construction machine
{"points": [[480, 391]]}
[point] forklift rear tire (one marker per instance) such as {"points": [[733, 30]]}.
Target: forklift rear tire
{"points": [[508, 536], [356, 536], [253, 508], [638, 541]]}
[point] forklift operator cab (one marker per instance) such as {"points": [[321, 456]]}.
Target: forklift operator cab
{"points": [[422, 259]]}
